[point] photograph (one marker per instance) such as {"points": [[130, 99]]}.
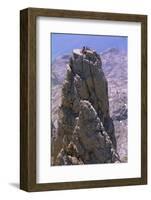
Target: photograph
{"points": [[83, 99], [89, 99]]}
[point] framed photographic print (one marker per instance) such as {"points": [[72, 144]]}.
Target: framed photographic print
{"points": [[83, 99]]}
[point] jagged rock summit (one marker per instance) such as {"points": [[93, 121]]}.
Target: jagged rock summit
{"points": [[85, 133]]}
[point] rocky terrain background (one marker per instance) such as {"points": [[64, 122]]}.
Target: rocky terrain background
{"points": [[113, 66]]}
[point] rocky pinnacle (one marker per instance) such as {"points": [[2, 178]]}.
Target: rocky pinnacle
{"points": [[85, 133]]}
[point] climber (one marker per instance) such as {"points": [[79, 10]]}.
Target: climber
{"points": [[83, 50]]}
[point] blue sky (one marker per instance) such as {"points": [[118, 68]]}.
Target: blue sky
{"points": [[62, 43]]}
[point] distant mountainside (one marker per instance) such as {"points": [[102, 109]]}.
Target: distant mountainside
{"points": [[114, 65]]}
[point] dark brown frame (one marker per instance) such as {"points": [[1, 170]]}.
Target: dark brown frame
{"points": [[28, 98]]}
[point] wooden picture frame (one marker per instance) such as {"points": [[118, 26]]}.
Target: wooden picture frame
{"points": [[28, 98]]}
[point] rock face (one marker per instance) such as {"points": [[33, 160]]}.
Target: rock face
{"points": [[85, 132]]}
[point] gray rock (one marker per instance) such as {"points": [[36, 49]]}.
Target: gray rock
{"points": [[84, 119], [92, 142]]}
